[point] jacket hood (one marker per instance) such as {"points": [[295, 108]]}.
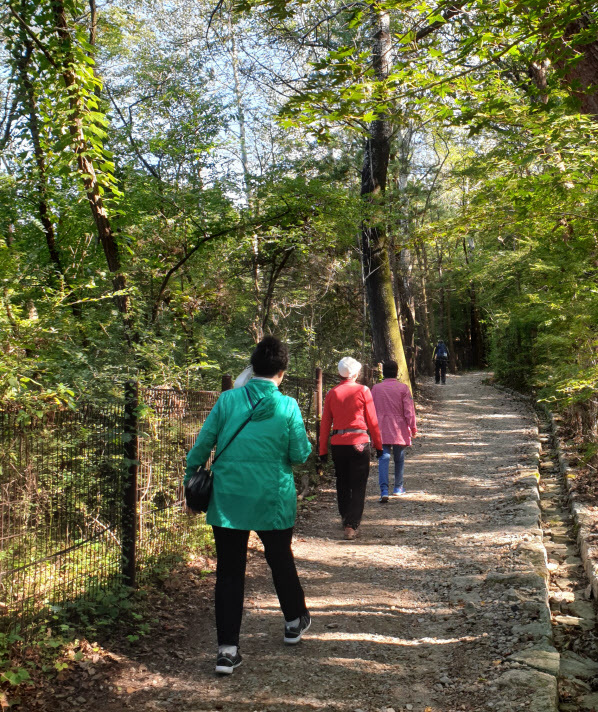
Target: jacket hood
{"points": [[267, 393]]}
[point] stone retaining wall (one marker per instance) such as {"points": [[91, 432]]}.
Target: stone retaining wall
{"points": [[541, 661]]}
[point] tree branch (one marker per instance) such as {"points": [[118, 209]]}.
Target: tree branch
{"points": [[10, 115], [202, 241], [274, 274], [33, 36], [93, 22], [448, 14], [129, 127]]}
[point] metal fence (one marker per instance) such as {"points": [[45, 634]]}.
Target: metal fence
{"points": [[93, 497], [303, 390], [168, 425], [64, 511], [60, 483]]}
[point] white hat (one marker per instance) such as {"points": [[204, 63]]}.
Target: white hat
{"points": [[348, 367]]}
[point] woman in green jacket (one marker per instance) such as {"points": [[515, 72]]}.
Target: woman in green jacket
{"points": [[254, 489]]}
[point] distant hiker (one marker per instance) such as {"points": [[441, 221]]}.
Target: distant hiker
{"points": [[254, 489], [349, 410], [396, 418], [440, 357]]}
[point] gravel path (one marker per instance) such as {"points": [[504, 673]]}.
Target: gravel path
{"points": [[419, 613]]}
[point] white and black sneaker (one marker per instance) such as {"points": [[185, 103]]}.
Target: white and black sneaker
{"points": [[226, 663], [293, 633]]}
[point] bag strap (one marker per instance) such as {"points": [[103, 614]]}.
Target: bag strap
{"points": [[253, 407]]}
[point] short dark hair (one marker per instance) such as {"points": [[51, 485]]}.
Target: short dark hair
{"points": [[390, 369], [269, 357]]}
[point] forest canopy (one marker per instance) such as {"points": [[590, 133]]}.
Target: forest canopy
{"points": [[178, 179]]}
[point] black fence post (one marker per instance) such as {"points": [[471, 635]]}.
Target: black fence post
{"points": [[129, 510], [227, 382]]}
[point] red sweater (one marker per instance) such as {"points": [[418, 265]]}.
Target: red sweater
{"points": [[349, 405]]}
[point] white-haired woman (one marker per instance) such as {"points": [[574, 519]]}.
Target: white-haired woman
{"points": [[349, 410]]}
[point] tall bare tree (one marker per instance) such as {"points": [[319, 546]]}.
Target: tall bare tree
{"points": [[386, 334]]}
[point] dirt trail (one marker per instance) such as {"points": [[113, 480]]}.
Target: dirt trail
{"points": [[397, 619]]}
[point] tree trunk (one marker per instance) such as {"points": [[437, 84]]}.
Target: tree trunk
{"points": [[478, 355], [425, 336], [29, 99], [440, 325], [93, 22], [260, 317], [581, 62], [449, 334], [386, 335], [30, 103], [402, 262], [477, 338], [445, 315], [86, 168], [247, 186], [406, 299]]}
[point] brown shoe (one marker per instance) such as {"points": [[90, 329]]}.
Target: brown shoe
{"points": [[350, 533]]}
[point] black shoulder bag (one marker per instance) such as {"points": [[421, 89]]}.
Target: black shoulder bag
{"points": [[199, 488]]}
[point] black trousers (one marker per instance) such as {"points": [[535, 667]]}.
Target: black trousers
{"points": [[352, 468], [440, 370], [231, 550]]}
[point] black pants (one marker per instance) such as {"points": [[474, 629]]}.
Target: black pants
{"points": [[352, 468], [231, 550], [440, 370]]}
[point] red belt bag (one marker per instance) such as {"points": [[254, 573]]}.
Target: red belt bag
{"points": [[349, 430]]}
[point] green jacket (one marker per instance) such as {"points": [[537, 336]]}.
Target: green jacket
{"points": [[253, 485]]}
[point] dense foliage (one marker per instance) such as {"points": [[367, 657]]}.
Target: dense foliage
{"points": [[205, 254], [179, 179]]}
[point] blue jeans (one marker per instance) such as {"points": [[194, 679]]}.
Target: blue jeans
{"points": [[383, 465]]}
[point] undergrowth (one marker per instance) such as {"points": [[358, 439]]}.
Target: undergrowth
{"points": [[64, 636]]}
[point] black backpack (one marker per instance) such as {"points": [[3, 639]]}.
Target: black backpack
{"points": [[441, 351]]}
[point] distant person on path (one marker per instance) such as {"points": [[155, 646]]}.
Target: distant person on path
{"points": [[396, 418], [440, 357], [349, 410], [254, 489]]}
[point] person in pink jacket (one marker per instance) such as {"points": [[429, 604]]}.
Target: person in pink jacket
{"points": [[396, 418]]}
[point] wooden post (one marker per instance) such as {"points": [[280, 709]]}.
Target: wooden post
{"points": [[319, 395], [129, 508], [227, 382]]}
